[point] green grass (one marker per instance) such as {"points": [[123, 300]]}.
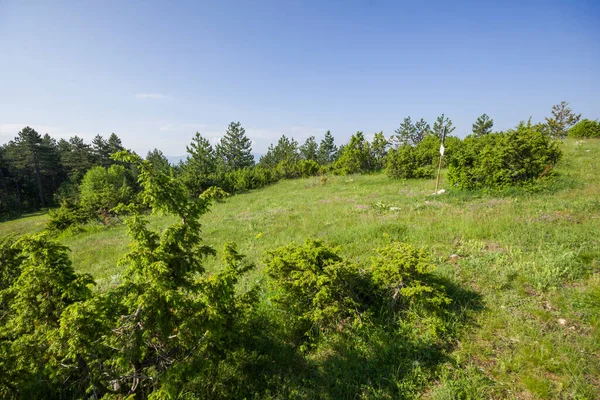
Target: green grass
{"points": [[533, 257]]}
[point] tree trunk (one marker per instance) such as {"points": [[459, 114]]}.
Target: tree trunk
{"points": [[38, 179]]}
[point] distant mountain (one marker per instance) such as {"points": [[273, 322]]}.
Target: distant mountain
{"points": [[174, 160]]}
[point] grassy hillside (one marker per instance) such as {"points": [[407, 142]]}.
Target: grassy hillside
{"points": [[533, 257]]}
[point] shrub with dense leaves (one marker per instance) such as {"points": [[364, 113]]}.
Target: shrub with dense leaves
{"points": [[519, 156], [421, 160], [356, 157], [319, 291], [102, 189], [585, 129], [68, 215]]}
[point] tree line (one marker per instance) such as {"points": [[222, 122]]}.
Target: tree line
{"points": [[38, 171]]}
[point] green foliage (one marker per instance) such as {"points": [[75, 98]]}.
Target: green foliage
{"points": [[561, 120], [585, 129], [158, 160], [402, 275], [483, 125], [420, 161], [285, 151], [70, 214], [313, 286], [380, 147], [32, 306], [102, 189], [518, 156], [200, 166], [318, 290], [405, 134], [310, 149], [327, 149], [234, 151], [442, 124], [356, 157]]}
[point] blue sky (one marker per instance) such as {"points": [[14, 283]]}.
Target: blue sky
{"points": [[157, 72]]}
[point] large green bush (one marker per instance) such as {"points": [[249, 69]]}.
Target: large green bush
{"points": [[102, 189], [356, 157], [421, 160], [585, 129], [319, 291], [519, 156]]}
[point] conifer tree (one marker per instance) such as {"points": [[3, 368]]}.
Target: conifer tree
{"points": [[405, 133], [327, 149], [101, 151], [380, 147], [234, 151], [483, 125], [158, 160], [443, 123], [422, 128], [28, 156], [562, 120], [309, 150], [200, 164]]}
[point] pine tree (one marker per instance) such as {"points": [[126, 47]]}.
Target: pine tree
{"points": [[201, 158], [483, 125], [380, 149], [200, 165], [28, 156], [405, 133], [114, 144], [285, 150], [235, 149], [443, 123], [309, 150], [562, 120], [158, 160], [327, 149], [422, 128], [76, 156], [101, 152]]}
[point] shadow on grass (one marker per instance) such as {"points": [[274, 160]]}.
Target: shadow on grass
{"points": [[377, 359], [394, 360]]}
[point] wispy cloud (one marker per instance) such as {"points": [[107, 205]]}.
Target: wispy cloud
{"points": [[153, 96]]}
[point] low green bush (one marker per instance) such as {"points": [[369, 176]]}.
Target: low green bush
{"points": [[68, 215], [515, 157], [585, 129]]}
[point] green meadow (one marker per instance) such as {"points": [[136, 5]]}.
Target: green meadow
{"points": [[532, 257]]}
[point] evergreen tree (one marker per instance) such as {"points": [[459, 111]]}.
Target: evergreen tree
{"points": [[327, 149], [29, 156], [422, 129], [443, 123], [200, 165], [235, 149], [201, 159], [310, 149], [101, 151], [380, 147], [50, 164], [76, 156], [285, 150], [405, 134], [561, 121], [483, 125], [356, 156], [158, 160], [114, 144]]}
